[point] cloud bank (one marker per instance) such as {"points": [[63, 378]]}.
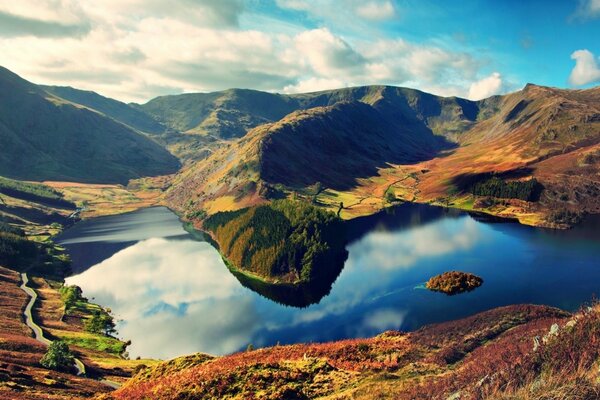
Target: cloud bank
{"points": [[135, 50]]}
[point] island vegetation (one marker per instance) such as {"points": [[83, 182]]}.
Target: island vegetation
{"points": [[454, 282], [284, 241]]}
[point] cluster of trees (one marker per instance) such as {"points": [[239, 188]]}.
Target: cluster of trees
{"points": [[529, 190], [101, 323], [287, 240], [565, 217], [15, 248]]}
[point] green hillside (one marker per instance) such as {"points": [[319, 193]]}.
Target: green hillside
{"points": [[117, 110], [232, 113], [45, 137], [227, 114]]}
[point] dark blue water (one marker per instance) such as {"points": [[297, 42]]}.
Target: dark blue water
{"points": [[173, 294]]}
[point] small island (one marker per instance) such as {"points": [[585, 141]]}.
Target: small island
{"points": [[454, 282]]}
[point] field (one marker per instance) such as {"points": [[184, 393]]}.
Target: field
{"points": [[103, 199]]}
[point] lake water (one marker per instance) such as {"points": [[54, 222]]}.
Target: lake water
{"points": [[173, 295]]}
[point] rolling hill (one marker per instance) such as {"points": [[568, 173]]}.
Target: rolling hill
{"points": [[45, 137]]}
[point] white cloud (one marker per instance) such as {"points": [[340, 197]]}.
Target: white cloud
{"points": [[486, 87], [157, 284], [587, 9], [314, 85], [327, 55], [376, 11], [586, 68], [138, 49], [405, 249], [385, 319]]}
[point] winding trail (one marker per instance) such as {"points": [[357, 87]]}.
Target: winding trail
{"points": [[37, 330], [39, 333]]}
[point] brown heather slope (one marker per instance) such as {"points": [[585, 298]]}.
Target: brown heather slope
{"points": [[21, 375], [502, 353], [418, 147]]}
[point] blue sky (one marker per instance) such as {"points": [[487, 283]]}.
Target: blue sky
{"points": [[134, 50]]}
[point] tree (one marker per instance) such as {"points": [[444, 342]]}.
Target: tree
{"points": [[58, 357], [100, 322], [390, 197], [70, 295]]}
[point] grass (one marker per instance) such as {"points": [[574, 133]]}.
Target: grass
{"points": [[107, 199], [92, 341], [224, 203]]}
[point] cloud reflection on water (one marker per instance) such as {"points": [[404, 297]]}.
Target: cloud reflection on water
{"points": [[158, 284], [404, 249]]}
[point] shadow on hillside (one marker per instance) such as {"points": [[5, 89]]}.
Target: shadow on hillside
{"points": [[465, 181], [347, 142], [34, 215]]}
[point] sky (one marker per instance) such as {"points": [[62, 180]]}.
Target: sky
{"points": [[134, 50]]}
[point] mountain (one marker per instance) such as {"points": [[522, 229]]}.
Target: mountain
{"points": [[232, 113], [335, 139], [46, 137], [117, 110], [225, 115], [368, 146]]}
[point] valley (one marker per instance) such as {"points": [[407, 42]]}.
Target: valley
{"points": [[299, 219]]}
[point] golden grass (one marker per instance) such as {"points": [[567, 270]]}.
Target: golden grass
{"points": [[101, 199]]}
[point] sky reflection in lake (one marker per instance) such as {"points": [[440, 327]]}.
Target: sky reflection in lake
{"points": [[175, 296]]}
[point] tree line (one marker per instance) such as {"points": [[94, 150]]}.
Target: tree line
{"points": [[528, 190]]}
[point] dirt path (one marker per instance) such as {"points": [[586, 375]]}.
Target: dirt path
{"points": [[37, 330]]}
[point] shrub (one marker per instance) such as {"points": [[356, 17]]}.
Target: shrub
{"points": [[58, 357], [390, 197], [70, 295]]}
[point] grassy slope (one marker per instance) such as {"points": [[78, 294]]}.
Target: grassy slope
{"points": [[489, 355], [45, 137], [119, 111]]}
